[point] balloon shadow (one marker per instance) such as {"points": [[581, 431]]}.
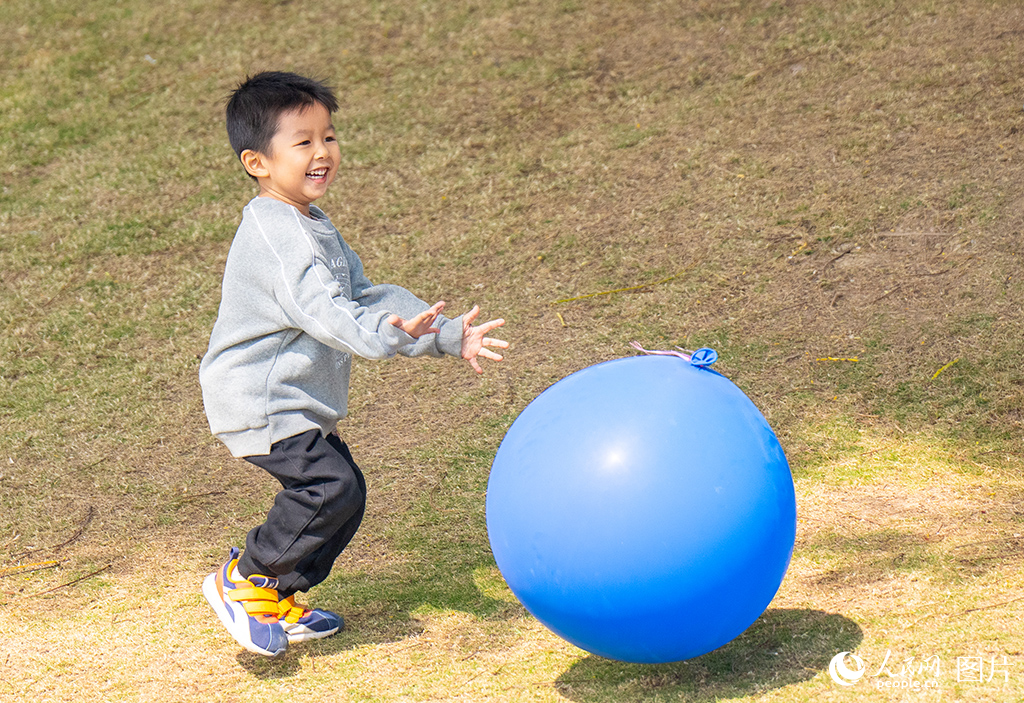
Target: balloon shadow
{"points": [[784, 646]]}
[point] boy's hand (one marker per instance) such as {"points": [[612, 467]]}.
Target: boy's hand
{"points": [[475, 341], [421, 324]]}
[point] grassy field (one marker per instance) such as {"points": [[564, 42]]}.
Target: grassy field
{"points": [[829, 194]]}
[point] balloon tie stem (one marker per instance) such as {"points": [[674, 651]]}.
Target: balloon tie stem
{"points": [[700, 357]]}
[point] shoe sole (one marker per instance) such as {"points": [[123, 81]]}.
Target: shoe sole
{"points": [[312, 635], [216, 601]]}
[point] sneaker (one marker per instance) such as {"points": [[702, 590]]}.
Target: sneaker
{"points": [[248, 608], [302, 623]]}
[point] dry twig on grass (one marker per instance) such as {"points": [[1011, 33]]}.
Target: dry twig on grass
{"points": [[27, 568], [990, 606], [622, 290], [998, 540], [78, 533], [887, 293], [197, 496], [69, 583]]}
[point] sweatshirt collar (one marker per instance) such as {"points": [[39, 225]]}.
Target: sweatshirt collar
{"points": [[317, 221]]}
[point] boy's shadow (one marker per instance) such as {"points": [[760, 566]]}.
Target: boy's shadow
{"points": [[380, 608]]}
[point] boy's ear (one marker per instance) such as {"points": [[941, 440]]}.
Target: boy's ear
{"points": [[253, 162]]}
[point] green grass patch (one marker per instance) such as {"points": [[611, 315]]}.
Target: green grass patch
{"points": [[818, 192]]}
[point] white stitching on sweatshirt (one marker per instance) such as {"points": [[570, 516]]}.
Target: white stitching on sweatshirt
{"points": [[291, 295]]}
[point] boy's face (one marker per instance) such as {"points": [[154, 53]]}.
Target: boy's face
{"points": [[303, 159]]}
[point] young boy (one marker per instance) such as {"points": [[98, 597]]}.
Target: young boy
{"points": [[295, 307]]}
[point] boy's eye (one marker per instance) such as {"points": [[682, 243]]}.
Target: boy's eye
{"points": [[303, 143]]}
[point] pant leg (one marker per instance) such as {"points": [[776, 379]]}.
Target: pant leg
{"points": [[314, 516]]}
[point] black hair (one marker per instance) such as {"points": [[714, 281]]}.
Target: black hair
{"points": [[256, 105]]}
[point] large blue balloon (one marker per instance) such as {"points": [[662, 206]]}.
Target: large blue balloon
{"points": [[642, 509]]}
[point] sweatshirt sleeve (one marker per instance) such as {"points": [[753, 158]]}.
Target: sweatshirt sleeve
{"points": [[315, 302], [392, 299]]}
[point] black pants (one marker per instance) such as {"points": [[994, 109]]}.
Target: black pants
{"points": [[314, 517]]}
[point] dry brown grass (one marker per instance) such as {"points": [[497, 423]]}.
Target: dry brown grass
{"points": [[831, 181]]}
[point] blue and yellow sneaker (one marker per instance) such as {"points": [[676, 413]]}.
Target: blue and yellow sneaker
{"points": [[302, 623], [248, 608]]}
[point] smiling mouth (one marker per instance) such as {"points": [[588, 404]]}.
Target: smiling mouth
{"points": [[317, 173]]}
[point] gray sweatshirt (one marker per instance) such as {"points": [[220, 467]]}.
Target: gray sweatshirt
{"points": [[295, 306]]}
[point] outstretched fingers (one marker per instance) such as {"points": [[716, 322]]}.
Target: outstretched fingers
{"points": [[429, 316], [420, 324], [470, 316], [488, 326], [475, 341]]}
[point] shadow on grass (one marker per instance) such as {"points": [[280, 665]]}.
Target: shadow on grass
{"points": [[268, 669], [439, 562], [784, 646], [392, 605]]}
